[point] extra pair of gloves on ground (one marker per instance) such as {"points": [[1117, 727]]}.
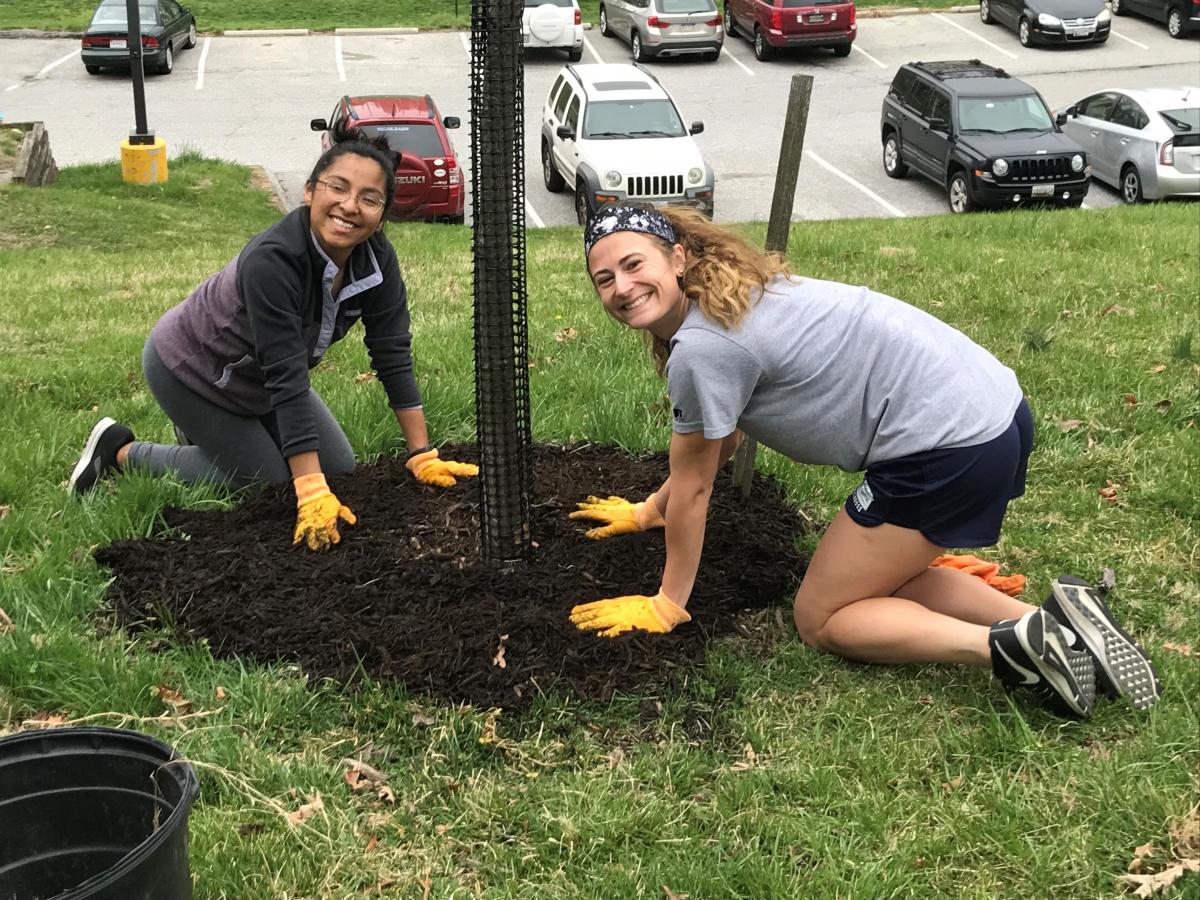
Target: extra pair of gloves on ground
{"points": [[319, 512]]}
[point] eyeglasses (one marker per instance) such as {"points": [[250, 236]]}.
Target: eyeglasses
{"points": [[371, 202]]}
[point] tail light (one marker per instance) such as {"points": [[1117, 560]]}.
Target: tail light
{"points": [[1166, 153], [713, 23], [656, 22], [579, 15], [852, 16], [150, 43], [453, 171], [777, 19]]}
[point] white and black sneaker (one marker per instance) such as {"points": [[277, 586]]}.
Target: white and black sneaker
{"points": [[99, 455], [1032, 652], [1122, 667]]}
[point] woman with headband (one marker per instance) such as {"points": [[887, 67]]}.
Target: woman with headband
{"points": [[831, 374]]}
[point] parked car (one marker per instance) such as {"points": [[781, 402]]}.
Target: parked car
{"points": [[1145, 143], [984, 136], [553, 23], [1182, 16], [1050, 21], [166, 28], [655, 28], [611, 132], [429, 182], [775, 24]]}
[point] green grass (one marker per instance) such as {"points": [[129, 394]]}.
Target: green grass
{"points": [[859, 782], [223, 15]]}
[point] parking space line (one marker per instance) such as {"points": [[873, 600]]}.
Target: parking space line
{"points": [[995, 47], [337, 55], [203, 60], [745, 68], [466, 42], [45, 69], [862, 187], [533, 216], [591, 49], [1116, 33], [855, 46]]}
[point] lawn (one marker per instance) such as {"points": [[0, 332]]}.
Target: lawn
{"points": [[770, 771], [223, 15]]}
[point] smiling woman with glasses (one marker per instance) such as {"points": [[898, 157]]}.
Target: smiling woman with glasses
{"points": [[229, 365]]}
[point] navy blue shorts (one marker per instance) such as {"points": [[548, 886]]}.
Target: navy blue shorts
{"points": [[957, 497]]}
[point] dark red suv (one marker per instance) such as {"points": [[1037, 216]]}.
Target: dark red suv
{"points": [[775, 24], [429, 182]]}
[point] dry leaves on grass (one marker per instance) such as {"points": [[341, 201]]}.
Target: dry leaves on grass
{"points": [[498, 657], [179, 704], [220, 693], [364, 377], [1181, 649], [1184, 833], [307, 810], [360, 776], [6, 624], [5, 509], [1157, 882], [1109, 493], [671, 895], [1069, 424], [45, 720], [565, 334]]}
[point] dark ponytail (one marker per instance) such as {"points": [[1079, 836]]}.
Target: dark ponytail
{"points": [[356, 141]]}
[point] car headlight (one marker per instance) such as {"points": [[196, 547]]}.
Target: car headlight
{"points": [[612, 179], [1077, 162], [1103, 16], [1047, 19], [1000, 167], [695, 176]]}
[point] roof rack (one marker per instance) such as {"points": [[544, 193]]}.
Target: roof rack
{"points": [[971, 68]]}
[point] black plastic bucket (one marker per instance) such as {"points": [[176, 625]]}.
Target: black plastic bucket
{"points": [[93, 813]]}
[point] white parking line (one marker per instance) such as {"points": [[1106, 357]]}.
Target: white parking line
{"points": [[337, 55], [862, 187], [533, 216], [46, 68], [203, 60], [466, 42], [591, 49], [729, 55], [995, 47], [855, 46], [13, 87], [1116, 33]]}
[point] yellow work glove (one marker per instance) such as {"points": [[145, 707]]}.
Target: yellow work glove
{"points": [[318, 512], [655, 614], [428, 469], [619, 516]]}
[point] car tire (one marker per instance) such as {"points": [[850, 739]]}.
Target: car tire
{"points": [[1117, 8], [1175, 23], [551, 177], [604, 29], [841, 50], [575, 54], [893, 164], [1023, 34], [958, 193], [191, 37], [762, 50], [730, 22], [167, 66], [583, 211], [636, 48], [1131, 185], [92, 70], [456, 220], [985, 13]]}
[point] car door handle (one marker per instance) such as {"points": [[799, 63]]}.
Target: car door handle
{"points": [[1124, 140]]}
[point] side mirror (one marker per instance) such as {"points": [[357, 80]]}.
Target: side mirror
{"points": [[696, 128], [318, 125], [1061, 118], [939, 125], [565, 132], [451, 122]]}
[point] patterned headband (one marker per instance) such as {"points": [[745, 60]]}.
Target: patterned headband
{"points": [[627, 218]]}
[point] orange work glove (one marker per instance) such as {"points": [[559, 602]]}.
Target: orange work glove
{"points": [[619, 516], [318, 512], [989, 572], [428, 469], [657, 614]]}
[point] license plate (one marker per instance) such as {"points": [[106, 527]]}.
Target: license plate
{"points": [[687, 27], [816, 19], [118, 45], [1080, 32], [1043, 190]]}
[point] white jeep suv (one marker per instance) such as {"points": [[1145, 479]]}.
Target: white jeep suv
{"points": [[611, 132], [553, 23]]}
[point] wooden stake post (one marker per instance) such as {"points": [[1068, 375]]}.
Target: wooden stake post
{"points": [[786, 175]]}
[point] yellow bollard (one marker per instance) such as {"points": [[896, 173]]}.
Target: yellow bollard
{"points": [[144, 163]]}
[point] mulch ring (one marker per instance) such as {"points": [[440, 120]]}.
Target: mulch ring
{"points": [[406, 596]]}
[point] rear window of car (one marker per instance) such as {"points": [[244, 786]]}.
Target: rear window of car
{"points": [[686, 6], [115, 15], [1182, 121], [410, 137], [565, 4]]}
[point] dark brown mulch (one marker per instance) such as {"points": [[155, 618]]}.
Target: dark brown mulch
{"points": [[406, 597]]}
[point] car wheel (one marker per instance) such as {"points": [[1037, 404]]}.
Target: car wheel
{"points": [[841, 50], [893, 165], [1023, 33], [550, 174], [635, 44], [575, 54], [1131, 185], [958, 192], [92, 70], [582, 212], [191, 38], [168, 64], [1117, 8], [730, 23], [1175, 23], [762, 50], [985, 13], [604, 22]]}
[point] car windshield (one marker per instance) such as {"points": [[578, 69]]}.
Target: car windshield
{"points": [[115, 15], [409, 137], [686, 6], [1182, 121], [1003, 114], [632, 118]]}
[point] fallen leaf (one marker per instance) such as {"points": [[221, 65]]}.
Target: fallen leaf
{"points": [[220, 692], [6, 623], [1157, 882], [364, 377], [179, 704], [1110, 350], [370, 773], [422, 719], [307, 810], [498, 658], [1069, 424], [1116, 309], [371, 844], [1185, 834], [489, 728], [354, 778], [1181, 649], [671, 895], [1159, 368], [565, 334], [426, 885], [45, 720], [1130, 401], [1110, 493], [385, 793], [251, 828], [5, 509], [441, 829], [615, 757], [953, 784], [919, 862]]}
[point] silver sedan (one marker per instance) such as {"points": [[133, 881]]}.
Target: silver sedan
{"points": [[1145, 143]]}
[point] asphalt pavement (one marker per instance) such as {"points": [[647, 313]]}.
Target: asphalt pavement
{"points": [[249, 99]]}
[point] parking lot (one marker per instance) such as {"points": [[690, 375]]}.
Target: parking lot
{"points": [[249, 99]]}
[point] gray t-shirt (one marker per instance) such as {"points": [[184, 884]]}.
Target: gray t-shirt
{"points": [[832, 374]]}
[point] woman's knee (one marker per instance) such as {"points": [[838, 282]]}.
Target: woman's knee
{"points": [[810, 621]]}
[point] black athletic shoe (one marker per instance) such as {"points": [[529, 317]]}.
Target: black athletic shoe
{"points": [[99, 455], [1122, 667], [1032, 652]]}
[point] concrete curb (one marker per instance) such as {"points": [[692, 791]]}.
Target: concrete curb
{"points": [[376, 30], [267, 32]]}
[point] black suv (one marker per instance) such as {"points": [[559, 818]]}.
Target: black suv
{"points": [[987, 137]]}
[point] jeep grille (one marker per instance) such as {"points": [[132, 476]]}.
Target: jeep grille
{"points": [[1041, 168], [655, 185]]}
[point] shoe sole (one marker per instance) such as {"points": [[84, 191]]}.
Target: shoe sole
{"points": [[1123, 663], [89, 451], [1071, 674]]}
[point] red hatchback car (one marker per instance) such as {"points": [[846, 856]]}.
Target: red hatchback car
{"points": [[429, 182], [776, 24]]}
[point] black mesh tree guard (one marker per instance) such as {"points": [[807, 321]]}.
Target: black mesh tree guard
{"points": [[501, 331]]}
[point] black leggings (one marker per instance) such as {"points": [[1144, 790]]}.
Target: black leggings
{"points": [[227, 448]]}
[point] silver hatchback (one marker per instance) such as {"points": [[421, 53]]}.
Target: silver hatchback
{"points": [[654, 28], [1145, 143]]}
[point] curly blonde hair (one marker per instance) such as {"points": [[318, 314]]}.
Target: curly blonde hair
{"points": [[720, 273]]}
